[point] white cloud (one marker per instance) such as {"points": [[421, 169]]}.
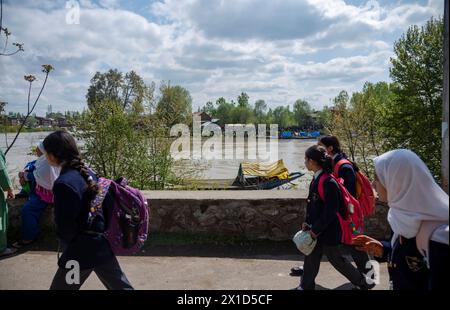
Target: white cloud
{"points": [[275, 50]]}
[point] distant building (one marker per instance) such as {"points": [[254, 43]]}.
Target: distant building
{"points": [[62, 122], [14, 121], [45, 122], [204, 117]]}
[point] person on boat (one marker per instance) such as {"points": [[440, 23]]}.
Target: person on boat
{"points": [[5, 186], [347, 173], [418, 253], [323, 224], [82, 242], [38, 177]]}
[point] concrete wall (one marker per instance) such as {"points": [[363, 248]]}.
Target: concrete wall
{"points": [[274, 215]]}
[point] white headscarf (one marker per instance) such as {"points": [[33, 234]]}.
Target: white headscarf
{"points": [[413, 195], [45, 174]]}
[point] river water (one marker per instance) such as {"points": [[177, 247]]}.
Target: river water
{"points": [[291, 151]]}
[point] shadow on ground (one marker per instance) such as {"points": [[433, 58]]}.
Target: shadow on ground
{"points": [[196, 245]]}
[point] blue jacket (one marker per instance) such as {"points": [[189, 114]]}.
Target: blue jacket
{"points": [[321, 215], [71, 213], [347, 173]]}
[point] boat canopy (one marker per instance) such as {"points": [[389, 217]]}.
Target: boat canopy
{"points": [[265, 170]]}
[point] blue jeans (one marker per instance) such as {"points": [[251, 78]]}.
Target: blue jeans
{"points": [[31, 214]]}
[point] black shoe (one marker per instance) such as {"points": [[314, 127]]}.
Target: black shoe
{"points": [[296, 272]]}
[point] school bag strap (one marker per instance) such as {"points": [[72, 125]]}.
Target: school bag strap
{"points": [[322, 178], [325, 177], [338, 166]]}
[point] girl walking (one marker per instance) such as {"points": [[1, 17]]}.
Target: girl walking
{"points": [[323, 223], [418, 253], [84, 244]]}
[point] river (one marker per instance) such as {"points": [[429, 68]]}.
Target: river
{"points": [[291, 151]]}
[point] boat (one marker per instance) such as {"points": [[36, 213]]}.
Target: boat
{"points": [[251, 176], [300, 135], [257, 176]]}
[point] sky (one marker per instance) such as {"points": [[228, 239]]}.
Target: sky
{"points": [[275, 50]]}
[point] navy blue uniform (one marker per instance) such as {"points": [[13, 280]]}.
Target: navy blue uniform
{"points": [[86, 245], [347, 173], [321, 216], [408, 269]]}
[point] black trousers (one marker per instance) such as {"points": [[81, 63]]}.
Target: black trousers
{"points": [[109, 274], [360, 258], [337, 259], [439, 266]]}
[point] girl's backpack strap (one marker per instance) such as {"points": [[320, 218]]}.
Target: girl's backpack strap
{"points": [[323, 177], [338, 166]]}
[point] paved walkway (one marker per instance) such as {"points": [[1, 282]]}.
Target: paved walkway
{"points": [[35, 270]]}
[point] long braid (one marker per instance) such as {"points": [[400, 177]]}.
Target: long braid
{"points": [[77, 164]]}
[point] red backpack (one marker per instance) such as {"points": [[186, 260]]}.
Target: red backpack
{"points": [[353, 221], [364, 190]]}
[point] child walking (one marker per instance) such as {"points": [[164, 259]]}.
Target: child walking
{"points": [[323, 223], [81, 242]]}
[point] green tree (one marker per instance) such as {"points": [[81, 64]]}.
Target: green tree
{"points": [[283, 117], [243, 100], [128, 90], [224, 111], [302, 113], [174, 106], [209, 108], [413, 118], [259, 111]]}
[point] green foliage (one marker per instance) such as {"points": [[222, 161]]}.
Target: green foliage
{"points": [[404, 114], [118, 143], [302, 113], [244, 113], [413, 118], [174, 106], [128, 91]]}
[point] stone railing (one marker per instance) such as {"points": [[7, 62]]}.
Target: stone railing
{"points": [[274, 215]]}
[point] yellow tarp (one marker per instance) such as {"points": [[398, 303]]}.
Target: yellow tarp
{"points": [[269, 171]]}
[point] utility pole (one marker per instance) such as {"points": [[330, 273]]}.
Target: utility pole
{"points": [[444, 160]]}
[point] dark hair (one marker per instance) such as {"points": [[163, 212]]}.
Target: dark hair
{"points": [[331, 141], [319, 155], [334, 142], [63, 147]]}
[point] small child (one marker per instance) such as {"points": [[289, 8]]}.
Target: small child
{"points": [[37, 180]]}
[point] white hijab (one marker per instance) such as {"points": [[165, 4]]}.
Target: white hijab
{"points": [[413, 195], [45, 174]]}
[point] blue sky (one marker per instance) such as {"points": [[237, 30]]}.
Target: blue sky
{"points": [[275, 50]]}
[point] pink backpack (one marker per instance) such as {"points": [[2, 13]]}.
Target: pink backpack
{"points": [[364, 190], [128, 225], [353, 221]]}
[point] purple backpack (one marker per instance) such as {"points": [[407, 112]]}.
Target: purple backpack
{"points": [[128, 222]]}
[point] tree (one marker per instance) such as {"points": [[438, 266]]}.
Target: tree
{"points": [[259, 111], [243, 100], [413, 118], [283, 117], [342, 124], [128, 91], [174, 106], [209, 108], [302, 113]]}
